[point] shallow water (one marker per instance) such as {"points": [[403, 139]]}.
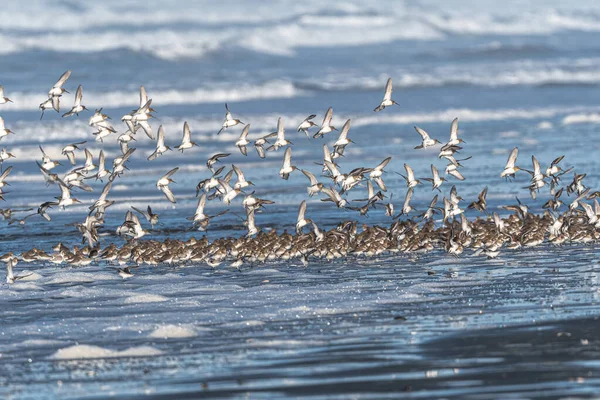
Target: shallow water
{"points": [[429, 326]]}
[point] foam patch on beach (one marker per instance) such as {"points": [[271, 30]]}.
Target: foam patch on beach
{"points": [[173, 332], [83, 351]]}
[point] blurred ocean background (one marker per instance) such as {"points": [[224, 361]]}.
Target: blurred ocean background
{"points": [[515, 73]]}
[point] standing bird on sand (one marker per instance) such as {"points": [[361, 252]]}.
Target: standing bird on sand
{"points": [[387, 97], [229, 120], [163, 185]]}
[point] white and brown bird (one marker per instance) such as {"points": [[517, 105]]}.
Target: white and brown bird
{"points": [[4, 99], [77, 106], [69, 151], [436, 181], [287, 167], [301, 221], [65, 198], [4, 131], [326, 126], [315, 186], [281, 140], [426, 140], [307, 124], [243, 141], [334, 196], [387, 97], [57, 90], [411, 182], [377, 172], [229, 120], [163, 184], [186, 141], [160, 145], [511, 169]]}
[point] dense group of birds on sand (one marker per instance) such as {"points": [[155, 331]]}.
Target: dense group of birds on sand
{"points": [[408, 232]]}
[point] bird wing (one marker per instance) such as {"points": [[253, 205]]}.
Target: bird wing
{"points": [[456, 173], [169, 195], [483, 194], [170, 173], [287, 158], [45, 157], [435, 172], [410, 174], [409, 195], [512, 158], [424, 135], [244, 134], [332, 168], [71, 156], [280, 130], [78, 95], [536, 165], [147, 128], [326, 154], [382, 165], [225, 186], [5, 173], [160, 142], [187, 134], [145, 214], [239, 173], [260, 150], [65, 193], [454, 130], [302, 210], [331, 193], [344, 131], [56, 103], [63, 78], [105, 191], [370, 190], [556, 160], [327, 119], [228, 116], [313, 179], [143, 96], [89, 158], [388, 90], [201, 204]]}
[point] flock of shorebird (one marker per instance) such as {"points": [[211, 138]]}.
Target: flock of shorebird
{"points": [[416, 233]]}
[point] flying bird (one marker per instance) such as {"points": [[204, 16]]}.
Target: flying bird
{"points": [[387, 97]]}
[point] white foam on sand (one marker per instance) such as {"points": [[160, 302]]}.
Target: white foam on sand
{"points": [[83, 351], [144, 298], [173, 331]]}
